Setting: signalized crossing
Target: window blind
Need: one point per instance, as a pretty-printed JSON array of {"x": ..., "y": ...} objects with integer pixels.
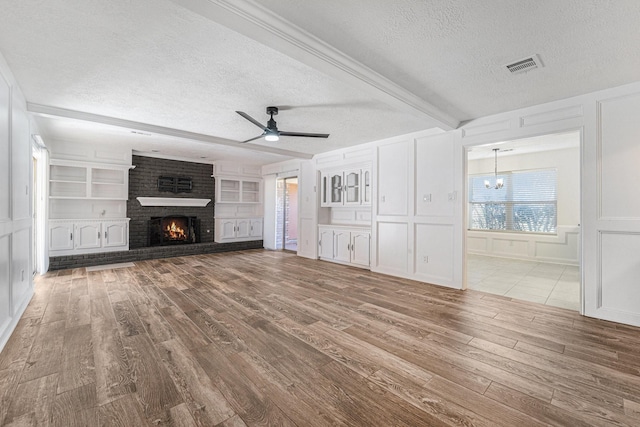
[{"x": 527, "y": 202}]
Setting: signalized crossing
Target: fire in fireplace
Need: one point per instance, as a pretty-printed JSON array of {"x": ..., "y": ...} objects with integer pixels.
[{"x": 174, "y": 229}]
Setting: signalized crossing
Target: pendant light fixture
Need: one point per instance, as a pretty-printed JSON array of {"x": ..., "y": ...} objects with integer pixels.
[{"x": 499, "y": 181}]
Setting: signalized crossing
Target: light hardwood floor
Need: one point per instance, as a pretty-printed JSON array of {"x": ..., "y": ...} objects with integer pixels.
[{"x": 268, "y": 338}]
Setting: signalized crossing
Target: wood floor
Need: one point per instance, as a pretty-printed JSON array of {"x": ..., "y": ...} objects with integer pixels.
[{"x": 271, "y": 339}]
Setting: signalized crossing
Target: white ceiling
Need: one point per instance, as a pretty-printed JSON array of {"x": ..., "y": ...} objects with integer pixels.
[{"x": 358, "y": 70}]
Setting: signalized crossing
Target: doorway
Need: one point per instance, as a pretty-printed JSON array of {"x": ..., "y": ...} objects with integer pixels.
[
  {"x": 287, "y": 214},
  {"x": 523, "y": 219}
]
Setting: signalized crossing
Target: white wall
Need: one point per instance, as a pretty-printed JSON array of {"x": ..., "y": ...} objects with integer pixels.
[
  {"x": 16, "y": 283},
  {"x": 559, "y": 248}
]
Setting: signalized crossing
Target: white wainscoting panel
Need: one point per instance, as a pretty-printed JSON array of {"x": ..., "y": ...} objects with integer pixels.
[
  {"x": 307, "y": 238},
  {"x": 392, "y": 246},
  {"x": 619, "y": 289},
  {"x": 21, "y": 284},
  {"x": 561, "y": 248},
  {"x": 434, "y": 184},
  {"x": 619, "y": 152},
  {"x": 393, "y": 178},
  {"x": 5, "y": 157},
  {"x": 434, "y": 253},
  {"x": 5, "y": 289}
]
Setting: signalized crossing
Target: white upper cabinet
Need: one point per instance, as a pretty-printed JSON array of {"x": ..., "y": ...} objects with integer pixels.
[{"x": 346, "y": 187}]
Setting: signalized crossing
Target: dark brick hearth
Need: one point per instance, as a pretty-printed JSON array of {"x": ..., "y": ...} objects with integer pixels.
[{"x": 87, "y": 260}]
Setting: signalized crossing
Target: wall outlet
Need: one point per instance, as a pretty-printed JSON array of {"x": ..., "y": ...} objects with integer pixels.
[{"x": 425, "y": 259}]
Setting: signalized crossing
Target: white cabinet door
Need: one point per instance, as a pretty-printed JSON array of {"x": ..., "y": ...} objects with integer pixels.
[
  {"x": 325, "y": 243},
  {"x": 336, "y": 189},
  {"x": 256, "y": 228},
  {"x": 342, "y": 251},
  {"x": 360, "y": 248},
  {"x": 366, "y": 186},
  {"x": 243, "y": 228},
  {"x": 115, "y": 233},
  {"x": 227, "y": 229},
  {"x": 87, "y": 235},
  {"x": 61, "y": 236},
  {"x": 352, "y": 187}
]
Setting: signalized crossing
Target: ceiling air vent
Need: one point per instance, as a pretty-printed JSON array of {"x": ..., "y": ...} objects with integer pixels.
[{"x": 524, "y": 65}]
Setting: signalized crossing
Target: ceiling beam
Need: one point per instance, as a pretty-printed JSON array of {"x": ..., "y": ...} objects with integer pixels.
[
  {"x": 46, "y": 110},
  {"x": 262, "y": 25}
]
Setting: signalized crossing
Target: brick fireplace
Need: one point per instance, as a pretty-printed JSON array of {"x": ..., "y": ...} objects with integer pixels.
[{"x": 143, "y": 182}]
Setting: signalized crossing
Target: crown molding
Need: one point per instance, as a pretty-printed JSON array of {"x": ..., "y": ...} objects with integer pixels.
[
  {"x": 264, "y": 26},
  {"x": 46, "y": 110}
]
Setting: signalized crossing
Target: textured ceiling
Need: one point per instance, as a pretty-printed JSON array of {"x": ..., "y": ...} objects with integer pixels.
[{"x": 157, "y": 63}]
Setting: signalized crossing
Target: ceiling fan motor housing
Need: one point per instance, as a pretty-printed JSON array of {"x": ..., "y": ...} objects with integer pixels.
[{"x": 272, "y": 111}]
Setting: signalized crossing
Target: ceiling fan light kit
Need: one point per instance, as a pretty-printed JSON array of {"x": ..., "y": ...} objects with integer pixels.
[{"x": 271, "y": 132}]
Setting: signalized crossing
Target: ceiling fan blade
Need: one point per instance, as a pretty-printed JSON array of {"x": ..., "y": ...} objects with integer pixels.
[
  {"x": 253, "y": 139},
  {"x": 252, "y": 120},
  {"x": 306, "y": 135}
]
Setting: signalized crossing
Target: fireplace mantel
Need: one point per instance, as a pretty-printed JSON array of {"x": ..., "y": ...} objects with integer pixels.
[{"x": 172, "y": 201}]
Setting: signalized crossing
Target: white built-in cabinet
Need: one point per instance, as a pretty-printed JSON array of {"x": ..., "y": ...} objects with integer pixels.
[
  {"x": 238, "y": 209},
  {"x": 87, "y": 207},
  {"x": 234, "y": 190},
  {"x": 346, "y": 187},
  {"x": 345, "y": 245},
  {"x": 68, "y": 237},
  {"x": 237, "y": 229}
]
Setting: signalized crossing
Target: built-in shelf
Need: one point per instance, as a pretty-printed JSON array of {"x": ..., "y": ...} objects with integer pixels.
[{"x": 172, "y": 201}]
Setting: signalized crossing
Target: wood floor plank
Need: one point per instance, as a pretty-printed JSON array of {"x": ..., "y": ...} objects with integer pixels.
[
  {"x": 77, "y": 407},
  {"x": 154, "y": 387},
  {"x": 113, "y": 374},
  {"x": 257, "y": 338},
  {"x": 127, "y": 318},
  {"x": 184, "y": 328},
  {"x": 35, "y": 396},
  {"x": 46, "y": 352},
  {"x": 77, "y": 368},
  {"x": 16, "y": 350},
  {"x": 244, "y": 396},
  {"x": 122, "y": 412},
  {"x": 203, "y": 400},
  {"x": 181, "y": 417}
]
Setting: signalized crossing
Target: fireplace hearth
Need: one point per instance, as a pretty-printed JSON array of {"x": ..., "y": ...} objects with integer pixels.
[{"x": 174, "y": 230}]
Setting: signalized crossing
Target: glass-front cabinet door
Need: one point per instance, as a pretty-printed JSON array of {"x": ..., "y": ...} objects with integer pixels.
[
  {"x": 352, "y": 187},
  {"x": 336, "y": 188},
  {"x": 366, "y": 186}
]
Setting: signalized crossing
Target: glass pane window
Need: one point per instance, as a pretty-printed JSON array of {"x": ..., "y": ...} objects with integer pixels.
[{"x": 526, "y": 203}]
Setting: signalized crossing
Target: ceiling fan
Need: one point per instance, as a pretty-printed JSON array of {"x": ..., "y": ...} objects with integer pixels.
[{"x": 271, "y": 132}]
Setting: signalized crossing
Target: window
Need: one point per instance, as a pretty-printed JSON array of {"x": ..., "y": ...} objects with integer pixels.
[{"x": 526, "y": 203}]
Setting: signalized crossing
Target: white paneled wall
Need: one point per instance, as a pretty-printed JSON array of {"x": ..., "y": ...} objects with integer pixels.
[
  {"x": 417, "y": 215},
  {"x": 16, "y": 283},
  {"x": 613, "y": 245}
]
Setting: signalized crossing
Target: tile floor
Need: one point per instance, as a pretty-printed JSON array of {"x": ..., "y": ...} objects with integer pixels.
[{"x": 550, "y": 284}]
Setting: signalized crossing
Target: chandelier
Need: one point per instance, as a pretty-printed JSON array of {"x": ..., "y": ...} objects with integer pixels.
[{"x": 499, "y": 181}]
